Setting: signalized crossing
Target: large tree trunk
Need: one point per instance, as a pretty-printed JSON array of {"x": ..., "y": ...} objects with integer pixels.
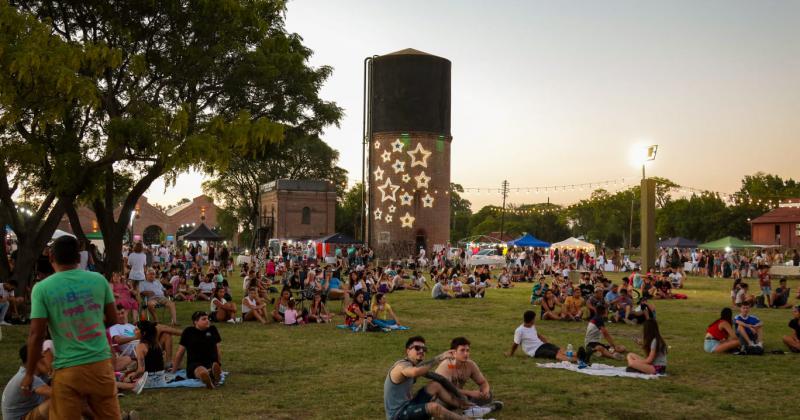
[{"x": 113, "y": 262}]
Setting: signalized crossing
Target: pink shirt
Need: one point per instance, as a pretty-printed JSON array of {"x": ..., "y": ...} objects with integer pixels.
[{"x": 290, "y": 317}]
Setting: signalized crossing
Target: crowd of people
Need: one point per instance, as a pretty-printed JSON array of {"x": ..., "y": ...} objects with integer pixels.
[{"x": 134, "y": 319}]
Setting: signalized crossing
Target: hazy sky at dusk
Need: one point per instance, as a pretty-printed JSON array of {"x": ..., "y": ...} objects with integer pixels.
[{"x": 553, "y": 93}]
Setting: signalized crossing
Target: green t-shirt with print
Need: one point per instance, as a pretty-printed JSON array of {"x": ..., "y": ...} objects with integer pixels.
[{"x": 73, "y": 302}]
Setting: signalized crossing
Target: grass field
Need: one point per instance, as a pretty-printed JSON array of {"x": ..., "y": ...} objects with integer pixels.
[{"x": 320, "y": 372}]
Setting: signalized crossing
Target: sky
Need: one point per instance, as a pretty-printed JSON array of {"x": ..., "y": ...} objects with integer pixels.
[{"x": 548, "y": 93}]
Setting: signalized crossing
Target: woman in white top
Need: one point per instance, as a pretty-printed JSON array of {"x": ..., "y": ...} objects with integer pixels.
[
  {"x": 137, "y": 261},
  {"x": 253, "y": 308},
  {"x": 221, "y": 309}
]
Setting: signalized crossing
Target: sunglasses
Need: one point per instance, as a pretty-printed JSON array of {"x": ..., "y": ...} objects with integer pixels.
[{"x": 420, "y": 349}]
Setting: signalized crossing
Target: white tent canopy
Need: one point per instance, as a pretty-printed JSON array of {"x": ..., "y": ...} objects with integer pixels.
[
  {"x": 573, "y": 243},
  {"x": 59, "y": 233}
]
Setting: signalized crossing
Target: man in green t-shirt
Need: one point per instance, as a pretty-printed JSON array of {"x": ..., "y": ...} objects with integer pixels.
[{"x": 76, "y": 305}]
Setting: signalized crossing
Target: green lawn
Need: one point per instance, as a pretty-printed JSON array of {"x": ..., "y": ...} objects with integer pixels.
[{"x": 318, "y": 371}]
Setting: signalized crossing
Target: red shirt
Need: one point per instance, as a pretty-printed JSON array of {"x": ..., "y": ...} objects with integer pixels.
[{"x": 714, "y": 330}]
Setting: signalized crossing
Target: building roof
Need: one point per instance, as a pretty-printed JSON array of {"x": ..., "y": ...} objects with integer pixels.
[
  {"x": 779, "y": 215},
  {"x": 174, "y": 210},
  {"x": 298, "y": 185}
]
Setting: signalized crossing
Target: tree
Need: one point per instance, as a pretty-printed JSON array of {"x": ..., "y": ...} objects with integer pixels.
[
  {"x": 348, "y": 210},
  {"x": 298, "y": 156},
  {"x": 196, "y": 85},
  {"x": 48, "y": 151},
  {"x": 460, "y": 213}
]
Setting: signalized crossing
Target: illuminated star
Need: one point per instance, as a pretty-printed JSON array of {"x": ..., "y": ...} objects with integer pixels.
[
  {"x": 405, "y": 199},
  {"x": 388, "y": 190},
  {"x": 422, "y": 180},
  {"x": 378, "y": 214},
  {"x": 392, "y": 208},
  {"x": 399, "y": 166},
  {"x": 397, "y": 146},
  {"x": 406, "y": 177},
  {"x": 377, "y": 144},
  {"x": 386, "y": 156},
  {"x": 427, "y": 201},
  {"x": 407, "y": 220},
  {"x": 388, "y": 218},
  {"x": 425, "y": 155},
  {"x": 378, "y": 174}
]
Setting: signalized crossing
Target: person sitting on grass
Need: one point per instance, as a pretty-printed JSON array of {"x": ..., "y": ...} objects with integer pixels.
[
  {"x": 384, "y": 314},
  {"x": 154, "y": 292},
  {"x": 656, "y": 349},
  {"x": 461, "y": 369},
  {"x": 720, "y": 337},
  {"x": 253, "y": 307},
  {"x": 595, "y": 301},
  {"x": 663, "y": 288},
  {"x": 291, "y": 317},
  {"x": 793, "y": 340},
  {"x": 124, "y": 334},
  {"x": 397, "y": 387},
  {"x": 221, "y": 309},
  {"x": 611, "y": 296},
  {"x": 457, "y": 286},
  {"x": 595, "y": 331},
  {"x": 149, "y": 352},
  {"x": 504, "y": 280},
  {"x": 318, "y": 312},
  {"x": 780, "y": 297},
  {"x": 743, "y": 296},
  {"x": 624, "y": 306},
  {"x": 35, "y": 403},
  {"x": 201, "y": 344},
  {"x": 550, "y": 306},
  {"x": 534, "y": 344},
  {"x": 749, "y": 328},
  {"x": 573, "y": 306},
  {"x": 183, "y": 291},
  {"x": 440, "y": 289},
  {"x": 354, "y": 314},
  {"x": 478, "y": 288},
  {"x": 281, "y": 305},
  {"x": 538, "y": 291},
  {"x": 205, "y": 290}
]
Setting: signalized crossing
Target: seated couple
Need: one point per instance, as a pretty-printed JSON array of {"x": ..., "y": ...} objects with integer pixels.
[
  {"x": 723, "y": 337},
  {"x": 452, "y": 402}
]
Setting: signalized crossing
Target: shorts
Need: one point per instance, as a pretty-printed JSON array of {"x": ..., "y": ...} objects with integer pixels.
[
  {"x": 593, "y": 346},
  {"x": 547, "y": 351},
  {"x": 660, "y": 370},
  {"x": 159, "y": 300},
  {"x": 766, "y": 290},
  {"x": 415, "y": 409},
  {"x": 709, "y": 345}
]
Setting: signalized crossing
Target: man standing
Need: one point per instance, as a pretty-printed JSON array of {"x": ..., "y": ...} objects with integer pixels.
[
  {"x": 397, "y": 399},
  {"x": 74, "y": 304},
  {"x": 154, "y": 291},
  {"x": 461, "y": 368}
]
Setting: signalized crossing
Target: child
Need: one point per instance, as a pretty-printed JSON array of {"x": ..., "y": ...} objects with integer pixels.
[
  {"x": 595, "y": 331},
  {"x": 290, "y": 317}
]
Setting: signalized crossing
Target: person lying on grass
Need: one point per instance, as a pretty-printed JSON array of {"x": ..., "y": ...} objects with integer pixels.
[
  {"x": 793, "y": 340},
  {"x": 720, "y": 337},
  {"x": 461, "y": 369},
  {"x": 595, "y": 332},
  {"x": 656, "y": 349},
  {"x": 749, "y": 328},
  {"x": 534, "y": 344},
  {"x": 397, "y": 396},
  {"x": 201, "y": 344}
]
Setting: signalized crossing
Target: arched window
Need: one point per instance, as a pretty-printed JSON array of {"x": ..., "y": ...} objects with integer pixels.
[{"x": 306, "y": 216}]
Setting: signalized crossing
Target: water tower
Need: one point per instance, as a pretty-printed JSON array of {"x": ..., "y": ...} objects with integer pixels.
[{"x": 408, "y": 135}]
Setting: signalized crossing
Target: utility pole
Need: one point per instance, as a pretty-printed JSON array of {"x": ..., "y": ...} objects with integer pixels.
[{"x": 504, "y": 191}]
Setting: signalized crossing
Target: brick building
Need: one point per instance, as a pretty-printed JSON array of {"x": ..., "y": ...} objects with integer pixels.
[
  {"x": 150, "y": 223},
  {"x": 292, "y": 209},
  {"x": 780, "y": 226}
]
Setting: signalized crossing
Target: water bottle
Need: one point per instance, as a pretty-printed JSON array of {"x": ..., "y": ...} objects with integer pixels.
[{"x": 570, "y": 351}]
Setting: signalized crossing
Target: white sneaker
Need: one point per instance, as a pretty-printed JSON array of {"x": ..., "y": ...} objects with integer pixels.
[
  {"x": 231, "y": 321},
  {"x": 140, "y": 384},
  {"x": 5, "y": 324},
  {"x": 477, "y": 411}
]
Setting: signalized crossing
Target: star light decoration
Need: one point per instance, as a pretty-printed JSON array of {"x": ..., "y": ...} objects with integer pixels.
[
  {"x": 392, "y": 208},
  {"x": 427, "y": 201},
  {"x": 378, "y": 214},
  {"x": 405, "y": 199},
  {"x": 407, "y": 221},
  {"x": 388, "y": 190},
  {"x": 386, "y": 156},
  {"x": 378, "y": 174},
  {"x": 388, "y": 218},
  {"x": 399, "y": 166},
  {"x": 419, "y": 150},
  {"x": 422, "y": 180},
  {"x": 406, "y": 177},
  {"x": 377, "y": 144},
  {"x": 397, "y": 146}
]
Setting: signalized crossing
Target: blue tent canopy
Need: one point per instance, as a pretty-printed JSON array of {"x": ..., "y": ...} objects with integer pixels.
[{"x": 528, "y": 240}]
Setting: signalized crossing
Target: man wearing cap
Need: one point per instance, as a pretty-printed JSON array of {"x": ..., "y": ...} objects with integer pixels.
[{"x": 76, "y": 305}]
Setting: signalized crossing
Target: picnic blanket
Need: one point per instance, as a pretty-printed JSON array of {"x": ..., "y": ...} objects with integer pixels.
[
  {"x": 175, "y": 380},
  {"x": 597, "y": 369},
  {"x": 355, "y": 328}
]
